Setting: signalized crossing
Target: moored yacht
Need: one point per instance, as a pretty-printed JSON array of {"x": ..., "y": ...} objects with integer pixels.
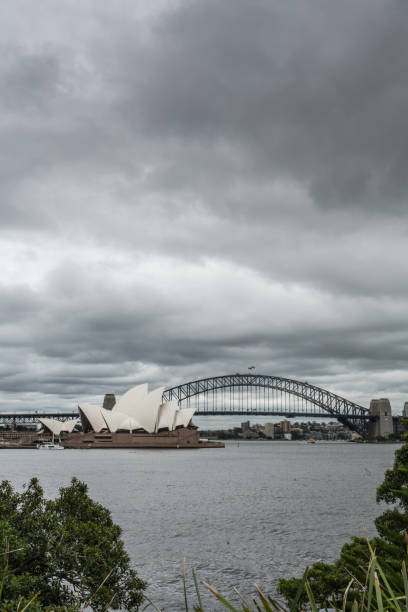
[{"x": 50, "y": 445}]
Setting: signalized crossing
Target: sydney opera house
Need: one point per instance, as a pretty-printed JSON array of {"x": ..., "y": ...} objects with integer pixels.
[{"x": 138, "y": 419}]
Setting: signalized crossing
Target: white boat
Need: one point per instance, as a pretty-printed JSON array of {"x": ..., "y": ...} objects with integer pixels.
[{"x": 50, "y": 445}]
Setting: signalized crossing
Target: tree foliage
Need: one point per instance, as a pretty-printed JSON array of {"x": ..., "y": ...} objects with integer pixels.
[
  {"x": 64, "y": 552},
  {"x": 329, "y": 581}
]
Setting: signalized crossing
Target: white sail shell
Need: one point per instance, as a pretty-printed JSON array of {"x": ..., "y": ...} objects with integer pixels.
[
  {"x": 167, "y": 416},
  {"x": 94, "y": 416},
  {"x": 130, "y": 424},
  {"x": 140, "y": 405},
  {"x": 184, "y": 416},
  {"x": 69, "y": 425},
  {"x": 112, "y": 419},
  {"x": 131, "y": 400},
  {"x": 118, "y": 420},
  {"x": 56, "y": 427},
  {"x": 147, "y": 413}
]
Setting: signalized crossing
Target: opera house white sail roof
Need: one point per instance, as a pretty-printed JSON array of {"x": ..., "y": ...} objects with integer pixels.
[
  {"x": 57, "y": 427},
  {"x": 137, "y": 409}
]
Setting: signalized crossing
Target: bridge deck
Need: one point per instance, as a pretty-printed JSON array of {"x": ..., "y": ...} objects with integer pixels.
[{"x": 32, "y": 417}]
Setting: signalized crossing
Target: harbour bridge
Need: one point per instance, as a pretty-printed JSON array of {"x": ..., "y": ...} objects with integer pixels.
[
  {"x": 246, "y": 395},
  {"x": 263, "y": 395}
]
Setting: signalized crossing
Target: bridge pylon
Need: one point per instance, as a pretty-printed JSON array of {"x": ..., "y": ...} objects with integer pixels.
[{"x": 382, "y": 424}]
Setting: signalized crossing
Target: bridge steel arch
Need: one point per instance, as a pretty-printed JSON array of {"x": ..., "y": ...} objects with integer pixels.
[{"x": 349, "y": 413}]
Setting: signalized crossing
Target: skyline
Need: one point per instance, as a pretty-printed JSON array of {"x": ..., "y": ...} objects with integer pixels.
[{"x": 198, "y": 187}]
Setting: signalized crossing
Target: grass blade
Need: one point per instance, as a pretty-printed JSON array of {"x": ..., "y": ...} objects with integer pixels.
[
  {"x": 346, "y": 593},
  {"x": 404, "y": 577},
  {"x": 388, "y": 587},
  {"x": 184, "y": 585},
  {"x": 312, "y": 602},
  {"x": 301, "y": 588},
  {"x": 378, "y": 593},
  {"x": 263, "y": 599},
  {"x": 245, "y": 604},
  {"x": 197, "y": 589},
  {"x": 99, "y": 587},
  {"x": 150, "y": 604},
  {"x": 29, "y": 603},
  {"x": 220, "y": 598},
  {"x": 371, "y": 576}
]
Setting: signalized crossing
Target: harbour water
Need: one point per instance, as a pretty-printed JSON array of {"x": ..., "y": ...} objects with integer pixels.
[{"x": 248, "y": 513}]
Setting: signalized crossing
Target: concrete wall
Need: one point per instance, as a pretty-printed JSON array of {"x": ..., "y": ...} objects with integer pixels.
[
  {"x": 180, "y": 438},
  {"x": 383, "y": 425}
]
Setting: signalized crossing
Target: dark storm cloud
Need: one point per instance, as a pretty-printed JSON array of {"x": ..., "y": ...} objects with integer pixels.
[
  {"x": 28, "y": 80},
  {"x": 188, "y": 192},
  {"x": 315, "y": 93}
]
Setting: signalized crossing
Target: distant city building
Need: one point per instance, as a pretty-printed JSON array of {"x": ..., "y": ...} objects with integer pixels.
[
  {"x": 269, "y": 430},
  {"x": 405, "y": 410},
  {"x": 285, "y": 427},
  {"x": 245, "y": 426},
  {"x": 250, "y": 435},
  {"x": 334, "y": 426}
]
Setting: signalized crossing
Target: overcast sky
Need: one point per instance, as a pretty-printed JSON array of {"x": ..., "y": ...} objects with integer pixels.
[{"x": 192, "y": 187}]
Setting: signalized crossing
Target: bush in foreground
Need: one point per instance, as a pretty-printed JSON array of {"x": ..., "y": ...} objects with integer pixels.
[{"x": 62, "y": 554}]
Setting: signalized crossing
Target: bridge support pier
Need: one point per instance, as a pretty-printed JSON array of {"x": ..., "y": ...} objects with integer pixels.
[{"x": 383, "y": 424}]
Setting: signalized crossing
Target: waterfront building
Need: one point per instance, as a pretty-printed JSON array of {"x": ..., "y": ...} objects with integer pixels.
[
  {"x": 245, "y": 426},
  {"x": 138, "y": 419},
  {"x": 137, "y": 410},
  {"x": 285, "y": 427},
  {"x": 269, "y": 430}
]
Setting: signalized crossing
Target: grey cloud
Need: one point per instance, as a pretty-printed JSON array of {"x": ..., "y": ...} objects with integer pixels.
[
  {"x": 316, "y": 94},
  {"x": 28, "y": 80},
  {"x": 84, "y": 336},
  {"x": 254, "y": 152}
]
